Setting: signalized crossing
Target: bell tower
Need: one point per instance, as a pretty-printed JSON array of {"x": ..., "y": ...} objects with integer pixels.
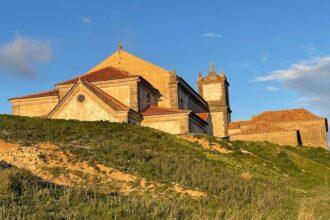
[{"x": 214, "y": 89}]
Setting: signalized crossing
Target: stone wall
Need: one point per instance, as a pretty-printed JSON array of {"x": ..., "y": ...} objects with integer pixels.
[
  {"x": 33, "y": 107},
  {"x": 121, "y": 90},
  {"x": 212, "y": 92},
  {"x": 313, "y": 133},
  {"x": 220, "y": 123},
  {"x": 173, "y": 124},
  {"x": 285, "y": 138},
  {"x": 233, "y": 131}
]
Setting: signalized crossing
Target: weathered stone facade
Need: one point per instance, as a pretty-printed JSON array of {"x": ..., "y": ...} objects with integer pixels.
[
  {"x": 214, "y": 89},
  {"x": 283, "y": 138}
]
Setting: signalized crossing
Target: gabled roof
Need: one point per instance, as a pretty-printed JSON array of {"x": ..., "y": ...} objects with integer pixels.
[
  {"x": 105, "y": 74},
  {"x": 109, "y": 100},
  {"x": 49, "y": 93},
  {"x": 130, "y": 60},
  {"x": 261, "y": 128},
  {"x": 155, "y": 110},
  {"x": 288, "y": 115}
]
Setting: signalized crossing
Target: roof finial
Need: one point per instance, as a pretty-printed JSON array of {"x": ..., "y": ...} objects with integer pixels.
[
  {"x": 212, "y": 69},
  {"x": 173, "y": 70},
  {"x": 120, "y": 46},
  {"x": 173, "y": 76}
]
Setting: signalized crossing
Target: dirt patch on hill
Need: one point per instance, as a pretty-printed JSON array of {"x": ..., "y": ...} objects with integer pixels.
[
  {"x": 205, "y": 143},
  {"x": 48, "y": 162},
  {"x": 211, "y": 145}
]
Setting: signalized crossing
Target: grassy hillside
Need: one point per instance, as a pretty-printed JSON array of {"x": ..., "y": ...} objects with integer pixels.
[{"x": 255, "y": 180}]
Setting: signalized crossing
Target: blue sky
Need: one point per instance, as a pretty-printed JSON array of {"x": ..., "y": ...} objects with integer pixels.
[{"x": 276, "y": 54}]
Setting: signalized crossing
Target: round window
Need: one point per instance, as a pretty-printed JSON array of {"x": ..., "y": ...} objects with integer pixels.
[{"x": 81, "y": 98}]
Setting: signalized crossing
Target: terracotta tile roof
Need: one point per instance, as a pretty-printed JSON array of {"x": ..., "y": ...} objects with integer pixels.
[
  {"x": 105, "y": 74},
  {"x": 203, "y": 115},
  {"x": 261, "y": 128},
  {"x": 155, "y": 110},
  {"x": 289, "y": 115},
  {"x": 238, "y": 124},
  {"x": 53, "y": 92},
  {"x": 109, "y": 100}
]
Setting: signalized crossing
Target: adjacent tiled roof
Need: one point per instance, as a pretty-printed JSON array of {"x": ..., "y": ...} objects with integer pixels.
[
  {"x": 109, "y": 100},
  {"x": 237, "y": 124},
  {"x": 203, "y": 115},
  {"x": 54, "y": 92},
  {"x": 105, "y": 74},
  {"x": 289, "y": 115},
  {"x": 261, "y": 128},
  {"x": 155, "y": 110}
]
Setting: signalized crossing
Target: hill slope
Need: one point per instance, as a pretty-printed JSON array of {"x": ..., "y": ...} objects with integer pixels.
[{"x": 108, "y": 170}]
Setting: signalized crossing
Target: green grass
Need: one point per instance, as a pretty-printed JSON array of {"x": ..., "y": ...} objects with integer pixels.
[{"x": 286, "y": 181}]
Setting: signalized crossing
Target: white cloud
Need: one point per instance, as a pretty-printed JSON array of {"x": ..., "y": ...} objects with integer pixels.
[
  {"x": 211, "y": 35},
  {"x": 308, "y": 78},
  {"x": 313, "y": 69},
  {"x": 272, "y": 89},
  {"x": 21, "y": 55},
  {"x": 86, "y": 20},
  {"x": 309, "y": 47}
]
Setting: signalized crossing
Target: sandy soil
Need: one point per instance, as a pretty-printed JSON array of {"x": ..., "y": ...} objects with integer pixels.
[{"x": 46, "y": 161}]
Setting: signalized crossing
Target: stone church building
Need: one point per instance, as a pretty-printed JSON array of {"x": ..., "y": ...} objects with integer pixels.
[{"x": 126, "y": 88}]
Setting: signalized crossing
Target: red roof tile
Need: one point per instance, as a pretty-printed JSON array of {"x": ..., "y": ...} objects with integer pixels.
[
  {"x": 105, "y": 74},
  {"x": 155, "y": 110},
  {"x": 203, "y": 115},
  {"x": 286, "y": 116},
  {"x": 111, "y": 101},
  {"x": 238, "y": 124},
  {"x": 261, "y": 128},
  {"x": 39, "y": 95}
]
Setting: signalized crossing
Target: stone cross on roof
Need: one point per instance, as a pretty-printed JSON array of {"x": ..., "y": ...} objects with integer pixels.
[{"x": 120, "y": 46}]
